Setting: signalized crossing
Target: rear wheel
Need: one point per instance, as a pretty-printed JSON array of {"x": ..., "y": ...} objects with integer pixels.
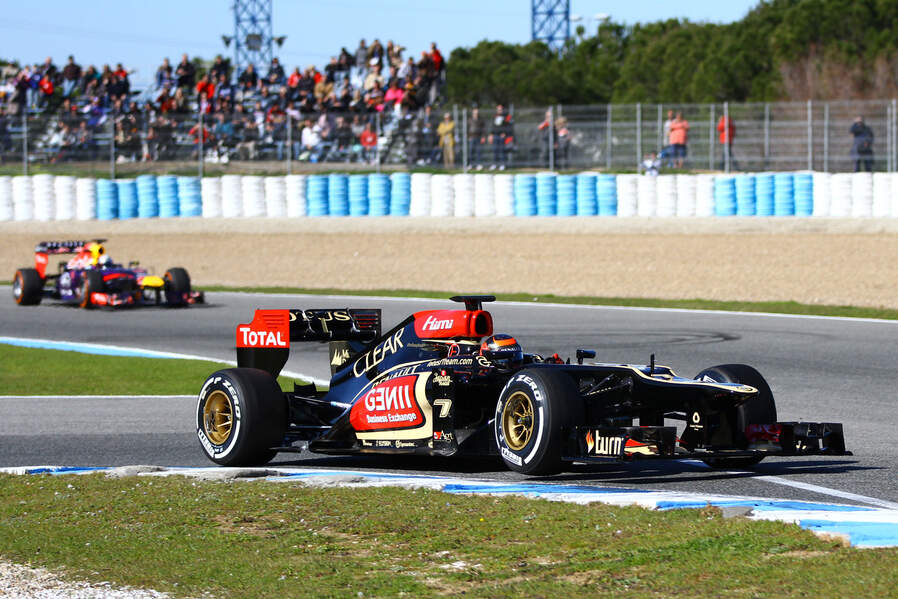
[
  {"x": 241, "y": 414},
  {"x": 533, "y": 410},
  {"x": 760, "y": 410},
  {"x": 27, "y": 287},
  {"x": 91, "y": 282},
  {"x": 177, "y": 286}
]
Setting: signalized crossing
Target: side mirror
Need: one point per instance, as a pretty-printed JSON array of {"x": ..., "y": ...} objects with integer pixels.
[{"x": 585, "y": 354}]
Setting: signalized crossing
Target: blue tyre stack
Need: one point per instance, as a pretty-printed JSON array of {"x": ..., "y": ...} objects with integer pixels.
[
  {"x": 586, "y": 195},
  {"x": 167, "y": 192},
  {"x": 107, "y": 199},
  {"x": 524, "y": 195},
  {"x": 745, "y": 195},
  {"x": 127, "y": 198},
  {"x": 400, "y": 193},
  {"x": 546, "y": 194},
  {"x": 606, "y": 195},
  {"x": 358, "y": 195},
  {"x": 316, "y": 195},
  {"x": 804, "y": 194},
  {"x": 566, "y": 192},
  {"x": 783, "y": 194},
  {"x": 338, "y": 194},
  {"x": 724, "y": 196},
  {"x": 378, "y": 194},
  {"x": 190, "y": 196},
  {"x": 147, "y": 198},
  {"x": 764, "y": 191}
]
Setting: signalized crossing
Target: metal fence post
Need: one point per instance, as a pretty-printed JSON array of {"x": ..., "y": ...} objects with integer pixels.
[
  {"x": 289, "y": 144},
  {"x": 551, "y": 139},
  {"x": 25, "y": 141},
  {"x": 711, "y": 138},
  {"x": 660, "y": 127},
  {"x": 810, "y": 136},
  {"x": 464, "y": 139},
  {"x": 200, "y": 150},
  {"x": 894, "y": 134},
  {"x": 826, "y": 137},
  {"x": 112, "y": 148},
  {"x": 638, "y": 135},
  {"x": 766, "y": 135},
  {"x": 726, "y": 128},
  {"x": 608, "y": 140},
  {"x": 377, "y": 125}
]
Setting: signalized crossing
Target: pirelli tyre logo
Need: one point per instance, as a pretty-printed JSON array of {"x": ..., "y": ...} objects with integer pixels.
[{"x": 390, "y": 405}]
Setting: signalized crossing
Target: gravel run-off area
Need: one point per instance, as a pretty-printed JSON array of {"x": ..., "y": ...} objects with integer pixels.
[{"x": 809, "y": 260}]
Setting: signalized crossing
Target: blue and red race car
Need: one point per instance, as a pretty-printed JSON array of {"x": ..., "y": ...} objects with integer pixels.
[{"x": 90, "y": 278}]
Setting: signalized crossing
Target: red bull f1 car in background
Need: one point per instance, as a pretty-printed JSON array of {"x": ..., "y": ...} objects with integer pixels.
[
  {"x": 90, "y": 278},
  {"x": 442, "y": 383}
]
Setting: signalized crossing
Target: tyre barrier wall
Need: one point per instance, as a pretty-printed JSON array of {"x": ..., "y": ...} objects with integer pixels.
[{"x": 47, "y": 197}]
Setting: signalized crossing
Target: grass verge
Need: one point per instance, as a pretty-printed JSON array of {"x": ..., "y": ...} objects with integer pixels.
[
  {"x": 69, "y": 372},
  {"x": 265, "y": 539},
  {"x": 690, "y": 304}
]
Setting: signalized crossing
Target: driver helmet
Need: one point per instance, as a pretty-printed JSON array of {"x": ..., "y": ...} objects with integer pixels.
[
  {"x": 502, "y": 350},
  {"x": 105, "y": 261}
]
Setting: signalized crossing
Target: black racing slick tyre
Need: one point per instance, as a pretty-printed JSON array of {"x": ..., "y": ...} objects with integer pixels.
[
  {"x": 241, "y": 413},
  {"x": 762, "y": 410},
  {"x": 91, "y": 282},
  {"x": 27, "y": 287},
  {"x": 532, "y": 413},
  {"x": 177, "y": 286}
]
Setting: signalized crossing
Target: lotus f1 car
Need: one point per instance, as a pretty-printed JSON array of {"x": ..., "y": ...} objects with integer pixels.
[
  {"x": 441, "y": 383},
  {"x": 90, "y": 278}
]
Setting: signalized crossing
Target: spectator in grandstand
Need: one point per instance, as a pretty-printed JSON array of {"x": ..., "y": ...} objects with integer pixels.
[
  {"x": 293, "y": 80},
  {"x": 194, "y": 134},
  {"x": 862, "y": 146},
  {"x": 446, "y": 132},
  {"x": 476, "y": 138},
  {"x": 127, "y": 142},
  {"x": 726, "y": 129},
  {"x": 361, "y": 63},
  {"x": 343, "y": 140},
  {"x": 179, "y": 102},
  {"x": 205, "y": 89},
  {"x": 439, "y": 65},
  {"x": 310, "y": 143},
  {"x": 406, "y": 72},
  {"x": 185, "y": 73},
  {"x": 89, "y": 80},
  {"x": 368, "y": 139},
  {"x": 246, "y": 133},
  {"x": 374, "y": 77},
  {"x": 393, "y": 95},
  {"x": 164, "y": 75},
  {"x": 248, "y": 79},
  {"x": 71, "y": 75},
  {"x": 376, "y": 54},
  {"x": 502, "y": 138},
  {"x": 324, "y": 88},
  {"x": 219, "y": 67},
  {"x": 275, "y": 74},
  {"x": 48, "y": 68},
  {"x": 679, "y": 138},
  {"x": 562, "y": 143},
  {"x": 85, "y": 146},
  {"x": 224, "y": 91}
]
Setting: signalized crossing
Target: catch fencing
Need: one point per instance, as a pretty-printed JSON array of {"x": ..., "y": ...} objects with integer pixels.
[{"x": 811, "y": 136}]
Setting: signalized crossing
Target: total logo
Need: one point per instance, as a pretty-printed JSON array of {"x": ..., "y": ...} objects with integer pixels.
[
  {"x": 253, "y": 338},
  {"x": 432, "y": 323},
  {"x": 269, "y": 329}
]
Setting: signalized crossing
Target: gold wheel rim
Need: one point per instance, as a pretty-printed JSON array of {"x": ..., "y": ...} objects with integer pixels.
[
  {"x": 517, "y": 420},
  {"x": 218, "y": 417}
]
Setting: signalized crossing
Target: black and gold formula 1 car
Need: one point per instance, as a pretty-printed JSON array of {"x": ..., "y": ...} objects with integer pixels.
[{"x": 441, "y": 383}]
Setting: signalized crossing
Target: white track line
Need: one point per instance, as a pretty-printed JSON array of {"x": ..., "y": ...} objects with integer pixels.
[
  {"x": 827, "y": 491},
  {"x": 97, "y": 396}
]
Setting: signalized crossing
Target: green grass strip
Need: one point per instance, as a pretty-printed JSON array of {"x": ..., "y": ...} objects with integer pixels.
[
  {"x": 263, "y": 539},
  {"x": 31, "y": 371},
  {"x": 690, "y": 304}
]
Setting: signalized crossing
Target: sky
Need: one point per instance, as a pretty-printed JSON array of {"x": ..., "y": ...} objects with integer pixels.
[{"x": 140, "y": 33}]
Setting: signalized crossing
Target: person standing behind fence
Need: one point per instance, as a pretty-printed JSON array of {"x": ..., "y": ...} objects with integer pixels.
[
  {"x": 502, "y": 138},
  {"x": 679, "y": 137},
  {"x": 727, "y": 129},
  {"x": 862, "y": 148},
  {"x": 476, "y": 136},
  {"x": 446, "y": 131}
]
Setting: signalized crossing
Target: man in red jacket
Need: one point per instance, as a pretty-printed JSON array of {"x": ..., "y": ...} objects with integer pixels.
[{"x": 727, "y": 129}]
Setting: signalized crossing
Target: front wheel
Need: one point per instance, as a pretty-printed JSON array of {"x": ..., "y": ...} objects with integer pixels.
[
  {"x": 177, "y": 286},
  {"x": 27, "y": 287},
  {"x": 91, "y": 281},
  {"x": 532, "y": 413},
  {"x": 241, "y": 414},
  {"x": 760, "y": 410}
]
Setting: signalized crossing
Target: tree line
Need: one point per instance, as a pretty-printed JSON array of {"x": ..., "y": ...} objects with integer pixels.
[{"x": 782, "y": 50}]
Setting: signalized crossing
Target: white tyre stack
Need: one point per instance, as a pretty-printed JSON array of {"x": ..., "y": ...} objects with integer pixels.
[
  {"x": 64, "y": 195},
  {"x": 86, "y": 198},
  {"x": 210, "y": 193},
  {"x": 704, "y": 195},
  {"x": 484, "y": 195},
  {"x": 627, "y": 194},
  {"x": 44, "y": 197},
  {"x": 862, "y": 194},
  {"x": 894, "y": 210},
  {"x": 441, "y": 196},
  {"x": 686, "y": 186},
  {"x": 252, "y": 188},
  {"x": 667, "y": 195},
  {"x": 6, "y": 209},
  {"x": 22, "y": 198},
  {"x": 647, "y": 194},
  {"x": 822, "y": 193},
  {"x": 419, "y": 204},
  {"x": 463, "y": 185},
  {"x": 295, "y": 186},
  {"x": 503, "y": 188},
  {"x": 840, "y": 194},
  {"x": 275, "y": 197},
  {"x": 231, "y": 196},
  {"x": 882, "y": 194}
]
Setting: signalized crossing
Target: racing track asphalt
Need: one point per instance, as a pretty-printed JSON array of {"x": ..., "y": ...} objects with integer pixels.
[{"x": 819, "y": 369}]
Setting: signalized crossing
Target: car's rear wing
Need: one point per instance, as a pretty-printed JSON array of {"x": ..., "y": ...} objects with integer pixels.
[
  {"x": 265, "y": 342},
  {"x": 44, "y": 249}
]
